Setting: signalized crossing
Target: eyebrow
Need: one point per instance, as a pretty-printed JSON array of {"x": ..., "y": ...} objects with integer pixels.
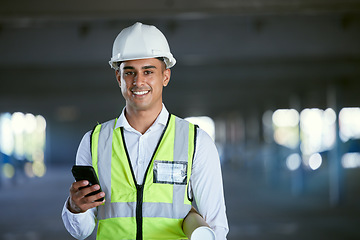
[
  {"x": 144, "y": 67},
  {"x": 147, "y": 67}
]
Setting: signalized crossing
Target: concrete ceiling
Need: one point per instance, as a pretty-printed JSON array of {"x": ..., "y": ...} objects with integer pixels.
[
  {"x": 170, "y": 8},
  {"x": 233, "y": 56}
]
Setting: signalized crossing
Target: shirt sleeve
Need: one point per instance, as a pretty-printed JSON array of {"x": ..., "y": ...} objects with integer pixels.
[
  {"x": 80, "y": 225},
  {"x": 207, "y": 185}
]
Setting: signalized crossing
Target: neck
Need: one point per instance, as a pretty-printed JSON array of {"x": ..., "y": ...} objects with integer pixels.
[{"x": 140, "y": 120}]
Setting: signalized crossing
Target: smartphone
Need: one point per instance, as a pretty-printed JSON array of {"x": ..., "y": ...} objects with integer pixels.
[{"x": 87, "y": 173}]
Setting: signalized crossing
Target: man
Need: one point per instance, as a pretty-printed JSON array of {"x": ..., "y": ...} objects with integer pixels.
[{"x": 150, "y": 164}]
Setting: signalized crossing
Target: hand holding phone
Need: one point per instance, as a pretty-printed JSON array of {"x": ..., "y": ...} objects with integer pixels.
[{"x": 87, "y": 173}]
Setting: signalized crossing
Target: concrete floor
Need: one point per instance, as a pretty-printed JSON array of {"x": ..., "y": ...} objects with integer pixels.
[
  {"x": 257, "y": 208},
  {"x": 261, "y": 209}
]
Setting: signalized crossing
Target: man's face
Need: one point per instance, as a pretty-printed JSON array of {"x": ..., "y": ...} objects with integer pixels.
[{"x": 141, "y": 82}]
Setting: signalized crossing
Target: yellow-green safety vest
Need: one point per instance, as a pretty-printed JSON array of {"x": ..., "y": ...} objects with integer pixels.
[{"x": 156, "y": 208}]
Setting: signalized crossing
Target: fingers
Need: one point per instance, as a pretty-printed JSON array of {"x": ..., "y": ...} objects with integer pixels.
[
  {"x": 79, "y": 184},
  {"x": 80, "y": 200}
]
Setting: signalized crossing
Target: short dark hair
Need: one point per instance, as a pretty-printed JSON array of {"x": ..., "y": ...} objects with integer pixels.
[
  {"x": 162, "y": 59},
  {"x": 118, "y": 65}
]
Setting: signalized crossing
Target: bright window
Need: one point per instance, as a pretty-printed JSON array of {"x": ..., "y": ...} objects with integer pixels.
[{"x": 23, "y": 137}]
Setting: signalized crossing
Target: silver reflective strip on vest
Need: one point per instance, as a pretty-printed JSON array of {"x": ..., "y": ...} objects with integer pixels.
[
  {"x": 164, "y": 210},
  {"x": 104, "y": 165},
  {"x": 118, "y": 209},
  {"x": 181, "y": 144},
  {"x": 181, "y": 149}
]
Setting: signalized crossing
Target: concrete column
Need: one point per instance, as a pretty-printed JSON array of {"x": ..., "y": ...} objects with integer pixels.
[
  {"x": 297, "y": 176},
  {"x": 336, "y": 172}
]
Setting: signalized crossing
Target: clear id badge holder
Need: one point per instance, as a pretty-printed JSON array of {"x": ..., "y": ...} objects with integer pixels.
[{"x": 170, "y": 172}]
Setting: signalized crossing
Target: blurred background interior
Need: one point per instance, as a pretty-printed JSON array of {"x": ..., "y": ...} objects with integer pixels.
[{"x": 275, "y": 82}]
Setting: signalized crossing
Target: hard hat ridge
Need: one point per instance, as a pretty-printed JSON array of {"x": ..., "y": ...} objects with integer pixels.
[{"x": 141, "y": 41}]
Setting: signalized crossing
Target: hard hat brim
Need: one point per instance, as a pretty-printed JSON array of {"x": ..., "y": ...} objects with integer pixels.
[{"x": 169, "y": 62}]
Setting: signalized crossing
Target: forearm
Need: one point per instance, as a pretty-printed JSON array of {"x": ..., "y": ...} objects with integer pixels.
[
  {"x": 79, "y": 225},
  {"x": 211, "y": 206}
]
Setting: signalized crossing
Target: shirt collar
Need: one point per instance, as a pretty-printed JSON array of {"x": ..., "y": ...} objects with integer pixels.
[{"x": 160, "y": 120}]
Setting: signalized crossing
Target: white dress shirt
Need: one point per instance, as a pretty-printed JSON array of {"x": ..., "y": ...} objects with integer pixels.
[{"x": 205, "y": 181}]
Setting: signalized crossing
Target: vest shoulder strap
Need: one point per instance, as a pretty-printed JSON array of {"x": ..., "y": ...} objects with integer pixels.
[{"x": 106, "y": 126}]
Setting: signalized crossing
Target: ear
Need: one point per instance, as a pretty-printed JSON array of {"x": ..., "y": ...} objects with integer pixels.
[
  {"x": 118, "y": 77},
  {"x": 166, "y": 74}
]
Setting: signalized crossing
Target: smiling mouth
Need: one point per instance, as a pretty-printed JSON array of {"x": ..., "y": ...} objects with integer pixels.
[{"x": 140, "y": 93}]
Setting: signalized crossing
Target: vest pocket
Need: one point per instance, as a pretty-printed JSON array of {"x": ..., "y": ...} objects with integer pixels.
[{"x": 119, "y": 228}]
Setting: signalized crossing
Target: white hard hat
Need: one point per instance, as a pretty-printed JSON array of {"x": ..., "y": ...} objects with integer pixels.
[{"x": 141, "y": 41}]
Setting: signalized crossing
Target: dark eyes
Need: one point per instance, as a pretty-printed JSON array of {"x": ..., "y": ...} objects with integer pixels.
[
  {"x": 129, "y": 73},
  {"x": 147, "y": 72}
]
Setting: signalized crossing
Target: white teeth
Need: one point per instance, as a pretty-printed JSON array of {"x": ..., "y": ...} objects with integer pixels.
[{"x": 140, "y": 93}]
